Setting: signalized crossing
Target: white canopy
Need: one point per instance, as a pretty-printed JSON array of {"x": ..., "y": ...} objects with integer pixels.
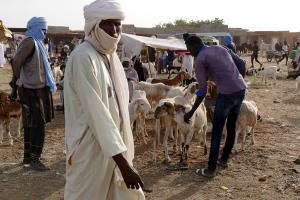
[{"x": 136, "y": 43}]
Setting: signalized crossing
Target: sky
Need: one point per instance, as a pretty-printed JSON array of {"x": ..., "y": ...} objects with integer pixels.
[{"x": 254, "y": 15}]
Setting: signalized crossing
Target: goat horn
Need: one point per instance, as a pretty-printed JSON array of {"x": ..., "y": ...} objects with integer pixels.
[{"x": 168, "y": 104}]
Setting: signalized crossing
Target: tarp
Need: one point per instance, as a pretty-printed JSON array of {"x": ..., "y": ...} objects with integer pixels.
[{"x": 137, "y": 43}]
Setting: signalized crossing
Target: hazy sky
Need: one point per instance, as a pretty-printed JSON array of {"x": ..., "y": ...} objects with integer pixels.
[{"x": 255, "y": 15}]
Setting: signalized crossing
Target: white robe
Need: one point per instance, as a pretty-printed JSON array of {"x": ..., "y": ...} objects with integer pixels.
[
  {"x": 92, "y": 129},
  {"x": 2, "y": 58},
  {"x": 187, "y": 64}
]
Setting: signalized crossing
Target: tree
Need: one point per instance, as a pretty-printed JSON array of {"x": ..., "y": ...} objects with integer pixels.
[{"x": 191, "y": 23}]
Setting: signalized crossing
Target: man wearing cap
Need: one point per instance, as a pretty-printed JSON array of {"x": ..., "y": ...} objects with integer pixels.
[
  {"x": 35, "y": 86},
  {"x": 99, "y": 141}
]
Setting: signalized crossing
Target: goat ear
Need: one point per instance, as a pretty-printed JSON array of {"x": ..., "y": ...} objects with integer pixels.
[
  {"x": 182, "y": 76},
  {"x": 170, "y": 108}
]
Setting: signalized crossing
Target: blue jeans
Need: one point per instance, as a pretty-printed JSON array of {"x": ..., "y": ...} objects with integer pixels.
[{"x": 227, "y": 107}]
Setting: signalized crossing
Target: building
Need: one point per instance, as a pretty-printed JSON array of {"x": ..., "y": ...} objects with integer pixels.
[{"x": 63, "y": 33}]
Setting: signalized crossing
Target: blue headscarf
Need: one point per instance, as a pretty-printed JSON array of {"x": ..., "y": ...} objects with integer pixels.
[
  {"x": 227, "y": 39},
  {"x": 35, "y": 28}
]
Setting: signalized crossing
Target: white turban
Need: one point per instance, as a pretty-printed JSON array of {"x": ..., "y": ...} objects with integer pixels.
[
  {"x": 101, "y": 10},
  {"x": 126, "y": 59}
]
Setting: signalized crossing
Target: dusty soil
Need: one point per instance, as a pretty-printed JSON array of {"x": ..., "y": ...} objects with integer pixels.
[{"x": 264, "y": 170}]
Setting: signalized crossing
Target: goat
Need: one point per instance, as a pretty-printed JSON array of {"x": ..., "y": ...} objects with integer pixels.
[
  {"x": 247, "y": 117},
  {"x": 181, "y": 76},
  {"x": 9, "y": 109},
  {"x": 267, "y": 71},
  {"x": 177, "y": 111}
]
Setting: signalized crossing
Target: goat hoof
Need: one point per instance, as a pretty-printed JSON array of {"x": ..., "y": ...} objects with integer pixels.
[{"x": 167, "y": 161}]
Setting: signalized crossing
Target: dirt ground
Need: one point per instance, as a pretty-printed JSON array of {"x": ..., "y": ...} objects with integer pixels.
[{"x": 264, "y": 170}]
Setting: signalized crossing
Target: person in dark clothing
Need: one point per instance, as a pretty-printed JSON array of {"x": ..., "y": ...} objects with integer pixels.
[
  {"x": 226, "y": 69},
  {"x": 171, "y": 56},
  {"x": 35, "y": 84},
  {"x": 152, "y": 52},
  {"x": 142, "y": 72},
  {"x": 254, "y": 55}
]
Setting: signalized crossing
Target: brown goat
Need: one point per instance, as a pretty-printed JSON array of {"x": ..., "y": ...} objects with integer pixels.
[
  {"x": 181, "y": 76},
  {"x": 9, "y": 109}
]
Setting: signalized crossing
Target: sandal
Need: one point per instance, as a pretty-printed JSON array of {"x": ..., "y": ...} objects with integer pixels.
[
  {"x": 205, "y": 173},
  {"x": 222, "y": 163}
]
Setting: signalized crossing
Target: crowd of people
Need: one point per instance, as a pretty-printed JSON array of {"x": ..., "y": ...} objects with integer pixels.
[{"x": 96, "y": 89}]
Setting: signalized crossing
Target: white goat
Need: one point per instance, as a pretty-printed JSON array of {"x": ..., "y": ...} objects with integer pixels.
[
  {"x": 198, "y": 122},
  {"x": 247, "y": 117},
  {"x": 267, "y": 71}
]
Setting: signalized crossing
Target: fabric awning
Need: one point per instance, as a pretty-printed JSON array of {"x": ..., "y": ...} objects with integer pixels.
[{"x": 136, "y": 43}]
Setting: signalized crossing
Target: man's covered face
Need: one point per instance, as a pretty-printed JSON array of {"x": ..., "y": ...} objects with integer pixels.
[
  {"x": 125, "y": 64},
  {"x": 112, "y": 27}
]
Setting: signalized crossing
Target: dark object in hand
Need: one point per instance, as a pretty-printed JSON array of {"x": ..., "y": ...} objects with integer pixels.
[{"x": 13, "y": 85}]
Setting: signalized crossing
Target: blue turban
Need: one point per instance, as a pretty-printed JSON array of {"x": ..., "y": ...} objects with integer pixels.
[
  {"x": 35, "y": 28},
  {"x": 227, "y": 39}
]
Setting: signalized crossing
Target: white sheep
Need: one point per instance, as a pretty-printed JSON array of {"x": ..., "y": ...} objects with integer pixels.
[
  {"x": 154, "y": 92},
  {"x": 268, "y": 71},
  {"x": 176, "y": 96},
  {"x": 247, "y": 117},
  {"x": 138, "y": 108}
]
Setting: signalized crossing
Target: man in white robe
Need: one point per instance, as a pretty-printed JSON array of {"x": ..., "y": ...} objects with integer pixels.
[
  {"x": 99, "y": 140},
  {"x": 2, "y": 58},
  {"x": 187, "y": 64}
]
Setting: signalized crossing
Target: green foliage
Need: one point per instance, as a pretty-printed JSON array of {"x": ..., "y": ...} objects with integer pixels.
[
  {"x": 255, "y": 83},
  {"x": 189, "y": 23},
  {"x": 292, "y": 54}
]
